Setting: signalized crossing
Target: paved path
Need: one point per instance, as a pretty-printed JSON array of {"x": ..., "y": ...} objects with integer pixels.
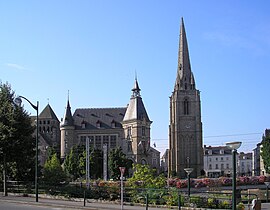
[{"x": 66, "y": 204}]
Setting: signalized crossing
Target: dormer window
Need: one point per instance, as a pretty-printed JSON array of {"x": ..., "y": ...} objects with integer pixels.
[
  {"x": 98, "y": 124},
  {"x": 113, "y": 124},
  {"x": 222, "y": 151},
  {"x": 83, "y": 125},
  {"x": 209, "y": 152}
]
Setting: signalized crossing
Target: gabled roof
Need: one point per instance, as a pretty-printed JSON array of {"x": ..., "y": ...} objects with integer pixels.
[
  {"x": 48, "y": 113},
  {"x": 98, "y": 118}
]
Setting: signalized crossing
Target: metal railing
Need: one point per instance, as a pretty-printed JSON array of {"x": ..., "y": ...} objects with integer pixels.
[{"x": 166, "y": 197}]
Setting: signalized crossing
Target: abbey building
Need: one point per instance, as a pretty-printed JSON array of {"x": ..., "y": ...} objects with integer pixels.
[
  {"x": 185, "y": 129},
  {"x": 129, "y": 127},
  {"x": 125, "y": 127}
]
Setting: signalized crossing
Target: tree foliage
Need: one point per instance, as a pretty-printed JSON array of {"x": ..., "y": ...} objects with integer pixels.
[
  {"x": 145, "y": 177},
  {"x": 117, "y": 159},
  {"x": 75, "y": 163},
  {"x": 265, "y": 153},
  {"x": 72, "y": 166},
  {"x": 53, "y": 171},
  {"x": 16, "y": 138}
]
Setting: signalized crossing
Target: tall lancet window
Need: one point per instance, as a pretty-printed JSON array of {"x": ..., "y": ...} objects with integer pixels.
[{"x": 186, "y": 107}]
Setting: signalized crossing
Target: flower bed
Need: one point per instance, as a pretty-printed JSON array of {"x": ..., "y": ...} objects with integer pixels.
[{"x": 215, "y": 182}]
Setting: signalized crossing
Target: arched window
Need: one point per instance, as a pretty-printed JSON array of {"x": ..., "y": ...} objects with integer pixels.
[{"x": 186, "y": 107}]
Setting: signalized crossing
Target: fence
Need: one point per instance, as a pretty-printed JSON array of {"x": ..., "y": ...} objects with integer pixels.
[{"x": 137, "y": 196}]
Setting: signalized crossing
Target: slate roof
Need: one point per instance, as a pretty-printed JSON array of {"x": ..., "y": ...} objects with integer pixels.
[
  {"x": 136, "y": 109},
  {"x": 216, "y": 150},
  {"x": 98, "y": 118},
  {"x": 67, "y": 120},
  {"x": 48, "y": 113}
]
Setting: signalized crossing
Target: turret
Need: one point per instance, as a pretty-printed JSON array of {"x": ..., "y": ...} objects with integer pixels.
[
  {"x": 67, "y": 131},
  {"x": 136, "y": 124}
]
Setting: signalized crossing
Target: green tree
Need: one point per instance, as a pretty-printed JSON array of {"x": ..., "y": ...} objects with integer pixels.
[
  {"x": 96, "y": 163},
  {"x": 117, "y": 159},
  {"x": 53, "y": 171},
  {"x": 265, "y": 153},
  {"x": 72, "y": 166},
  {"x": 147, "y": 178},
  {"x": 17, "y": 154}
]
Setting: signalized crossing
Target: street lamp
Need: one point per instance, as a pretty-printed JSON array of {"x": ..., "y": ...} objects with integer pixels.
[
  {"x": 18, "y": 102},
  {"x": 267, "y": 186},
  {"x": 234, "y": 146},
  {"x": 188, "y": 171}
]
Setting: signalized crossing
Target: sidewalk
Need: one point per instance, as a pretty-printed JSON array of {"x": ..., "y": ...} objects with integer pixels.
[{"x": 78, "y": 204}]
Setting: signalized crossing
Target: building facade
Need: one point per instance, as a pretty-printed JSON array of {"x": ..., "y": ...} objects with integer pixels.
[
  {"x": 126, "y": 127},
  {"x": 49, "y": 133},
  {"x": 217, "y": 161},
  {"x": 258, "y": 164},
  {"x": 185, "y": 129},
  {"x": 245, "y": 164}
]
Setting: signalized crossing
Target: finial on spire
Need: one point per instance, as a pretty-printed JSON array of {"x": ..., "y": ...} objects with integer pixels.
[
  {"x": 48, "y": 100},
  {"x": 135, "y": 74},
  {"x": 68, "y": 95}
]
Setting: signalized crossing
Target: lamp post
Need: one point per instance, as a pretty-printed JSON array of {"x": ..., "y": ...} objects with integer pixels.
[
  {"x": 267, "y": 186},
  {"x": 234, "y": 146},
  {"x": 87, "y": 163},
  {"x": 188, "y": 171},
  {"x": 18, "y": 102}
]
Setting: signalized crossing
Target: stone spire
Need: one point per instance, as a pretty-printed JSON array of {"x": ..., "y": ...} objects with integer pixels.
[{"x": 184, "y": 79}]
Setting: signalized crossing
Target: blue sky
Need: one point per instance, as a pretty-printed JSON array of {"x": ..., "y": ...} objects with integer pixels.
[{"x": 93, "y": 48}]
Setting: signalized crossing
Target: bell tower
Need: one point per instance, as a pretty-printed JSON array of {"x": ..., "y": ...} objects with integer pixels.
[
  {"x": 136, "y": 125},
  {"x": 185, "y": 129}
]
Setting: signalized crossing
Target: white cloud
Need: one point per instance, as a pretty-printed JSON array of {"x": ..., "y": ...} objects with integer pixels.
[{"x": 16, "y": 66}]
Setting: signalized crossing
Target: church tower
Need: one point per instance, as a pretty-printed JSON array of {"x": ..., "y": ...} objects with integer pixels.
[
  {"x": 136, "y": 125},
  {"x": 67, "y": 129},
  {"x": 185, "y": 129}
]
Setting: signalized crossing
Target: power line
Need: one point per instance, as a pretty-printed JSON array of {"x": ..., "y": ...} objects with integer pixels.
[
  {"x": 228, "y": 135},
  {"x": 219, "y": 136}
]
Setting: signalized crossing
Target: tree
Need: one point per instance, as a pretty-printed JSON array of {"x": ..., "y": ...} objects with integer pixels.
[
  {"x": 265, "y": 153},
  {"x": 96, "y": 163},
  {"x": 53, "y": 172},
  {"x": 147, "y": 178},
  {"x": 71, "y": 164},
  {"x": 17, "y": 154},
  {"x": 117, "y": 159}
]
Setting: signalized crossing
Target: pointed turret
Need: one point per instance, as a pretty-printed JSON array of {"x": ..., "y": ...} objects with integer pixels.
[
  {"x": 68, "y": 119},
  {"x": 67, "y": 128},
  {"x": 136, "y": 109},
  {"x": 184, "y": 77}
]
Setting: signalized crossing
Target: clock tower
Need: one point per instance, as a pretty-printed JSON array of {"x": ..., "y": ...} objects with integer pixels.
[{"x": 185, "y": 129}]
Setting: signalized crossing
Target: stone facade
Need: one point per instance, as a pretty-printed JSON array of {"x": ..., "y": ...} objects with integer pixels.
[
  {"x": 125, "y": 127},
  {"x": 185, "y": 129},
  {"x": 49, "y": 133}
]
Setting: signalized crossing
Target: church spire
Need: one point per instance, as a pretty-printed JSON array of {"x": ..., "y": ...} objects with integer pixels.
[{"x": 184, "y": 79}]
